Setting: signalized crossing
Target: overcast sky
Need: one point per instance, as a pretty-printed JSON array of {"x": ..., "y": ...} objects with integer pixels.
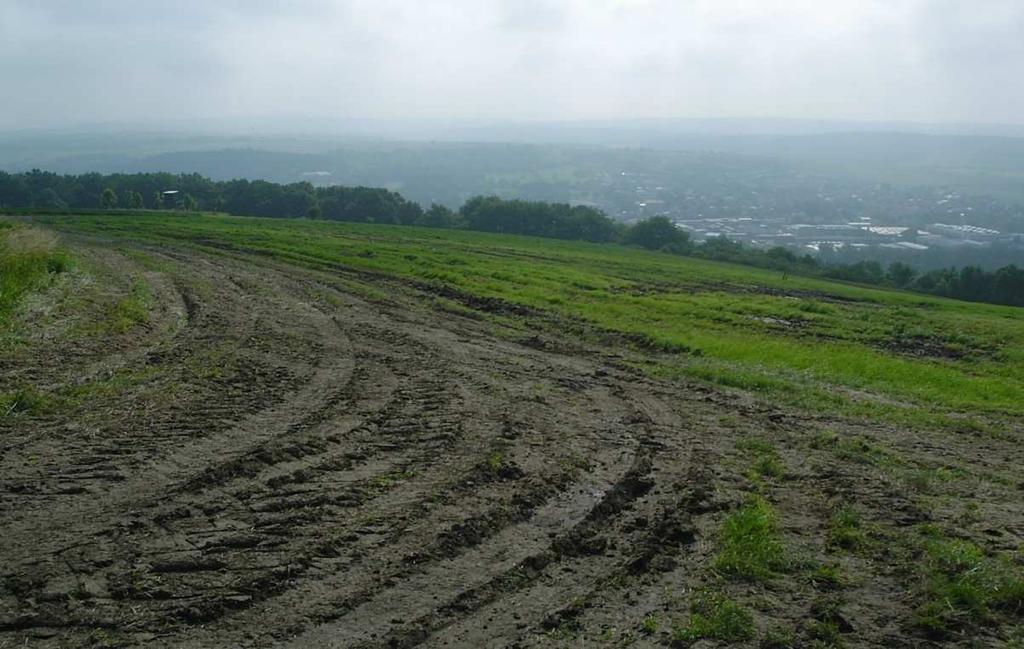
[{"x": 79, "y": 61}]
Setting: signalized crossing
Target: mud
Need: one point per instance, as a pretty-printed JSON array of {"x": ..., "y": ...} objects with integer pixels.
[{"x": 275, "y": 460}]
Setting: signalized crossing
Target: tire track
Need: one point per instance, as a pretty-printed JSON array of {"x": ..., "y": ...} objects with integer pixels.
[{"x": 394, "y": 477}]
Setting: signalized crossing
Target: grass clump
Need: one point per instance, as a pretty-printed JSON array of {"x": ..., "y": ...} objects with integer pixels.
[
  {"x": 26, "y": 400},
  {"x": 767, "y": 462},
  {"x": 845, "y": 529},
  {"x": 751, "y": 547},
  {"x": 716, "y": 617},
  {"x": 495, "y": 462},
  {"x": 132, "y": 309},
  {"x": 827, "y": 576},
  {"x": 855, "y": 448},
  {"x": 28, "y": 259},
  {"x": 825, "y": 635},
  {"x": 965, "y": 586},
  {"x": 769, "y": 466},
  {"x": 778, "y": 637},
  {"x": 926, "y": 480},
  {"x": 650, "y": 625}
]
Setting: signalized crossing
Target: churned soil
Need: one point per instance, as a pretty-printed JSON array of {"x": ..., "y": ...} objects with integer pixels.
[{"x": 273, "y": 457}]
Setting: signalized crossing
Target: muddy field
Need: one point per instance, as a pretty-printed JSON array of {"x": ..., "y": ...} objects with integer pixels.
[{"x": 274, "y": 457}]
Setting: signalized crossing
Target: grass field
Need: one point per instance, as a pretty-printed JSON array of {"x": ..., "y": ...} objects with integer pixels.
[
  {"x": 865, "y": 351},
  {"x": 239, "y": 432},
  {"x": 28, "y": 258}
]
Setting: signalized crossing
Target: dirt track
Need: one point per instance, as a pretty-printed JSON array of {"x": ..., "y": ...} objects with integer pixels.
[{"x": 283, "y": 462}]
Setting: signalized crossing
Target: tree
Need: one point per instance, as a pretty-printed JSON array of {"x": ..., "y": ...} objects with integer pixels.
[
  {"x": 50, "y": 199},
  {"x": 972, "y": 284},
  {"x": 133, "y": 200},
  {"x": 1008, "y": 286},
  {"x": 658, "y": 233},
  {"x": 900, "y": 274},
  {"x": 781, "y": 257},
  {"x": 190, "y": 203},
  {"x": 158, "y": 200},
  {"x": 438, "y": 216},
  {"x": 721, "y": 248},
  {"x": 108, "y": 199}
]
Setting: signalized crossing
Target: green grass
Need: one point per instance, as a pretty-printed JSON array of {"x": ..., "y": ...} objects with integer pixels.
[
  {"x": 778, "y": 638},
  {"x": 751, "y": 548},
  {"x": 825, "y": 635},
  {"x": 810, "y": 342},
  {"x": 965, "y": 586},
  {"x": 30, "y": 400},
  {"x": 845, "y": 529},
  {"x": 132, "y": 309},
  {"x": 495, "y": 462},
  {"x": 857, "y": 449},
  {"x": 767, "y": 463},
  {"x": 716, "y": 617},
  {"x": 649, "y": 625},
  {"x": 27, "y": 400},
  {"x": 827, "y": 576},
  {"x": 29, "y": 258}
]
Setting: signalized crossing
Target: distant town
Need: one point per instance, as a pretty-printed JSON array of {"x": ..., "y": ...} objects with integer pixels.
[{"x": 833, "y": 219}]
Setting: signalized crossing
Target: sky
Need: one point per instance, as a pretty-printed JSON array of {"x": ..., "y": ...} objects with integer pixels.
[{"x": 67, "y": 62}]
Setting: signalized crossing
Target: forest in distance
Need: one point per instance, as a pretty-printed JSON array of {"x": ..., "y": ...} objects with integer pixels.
[{"x": 46, "y": 191}]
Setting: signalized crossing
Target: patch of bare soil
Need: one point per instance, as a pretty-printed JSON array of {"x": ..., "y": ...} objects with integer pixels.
[
  {"x": 930, "y": 347},
  {"x": 272, "y": 460}
]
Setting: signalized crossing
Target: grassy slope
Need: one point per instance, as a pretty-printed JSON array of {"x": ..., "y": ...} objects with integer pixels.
[
  {"x": 822, "y": 344},
  {"x": 28, "y": 258},
  {"x": 824, "y": 518}
]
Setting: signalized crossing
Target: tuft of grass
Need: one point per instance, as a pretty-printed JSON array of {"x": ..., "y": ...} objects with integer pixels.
[
  {"x": 29, "y": 258},
  {"x": 845, "y": 529},
  {"x": 649, "y": 625},
  {"x": 856, "y": 448},
  {"x": 495, "y": 462},
  {"x": 925, "y": 480},
  {"x": 964, "y": 586},
  {"x": 751, "y": 547},
  {"x": 825, "y": 635},
  {"x": 26, "y": 400},
  {"x": 827, "y": 576},
  {"x": 769, "y": 466},
  {"x": 755, "y": 445},
  {"x": 131, "y": 310},
  {"x": 716, "y": 617},
  {"x": 778, "y": 637},
  {"x": 767, "y": 462}
]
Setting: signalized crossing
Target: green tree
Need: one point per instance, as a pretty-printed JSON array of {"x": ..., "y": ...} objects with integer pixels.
[
  {"x": 108, "y": 199},
  {"x": 158, "y": 200},
  {"x": 50, "y": 199},
  {"x": 438, "y": 216},
  {"x": 900, "y": 274},
  {"x": 190, "y": 203},
  {"x": 658, "y": 233}
]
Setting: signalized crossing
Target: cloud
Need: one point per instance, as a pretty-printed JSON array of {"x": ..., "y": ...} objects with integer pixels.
[{"x": 66, "y": 61}]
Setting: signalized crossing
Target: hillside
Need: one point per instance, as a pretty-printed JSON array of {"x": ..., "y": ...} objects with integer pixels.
[{"x": 252, "y": 432}]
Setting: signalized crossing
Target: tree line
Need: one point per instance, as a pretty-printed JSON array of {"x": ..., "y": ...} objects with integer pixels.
[
  {"x": 972, "y": 283},
  {"x": 49, "y": 191}
]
